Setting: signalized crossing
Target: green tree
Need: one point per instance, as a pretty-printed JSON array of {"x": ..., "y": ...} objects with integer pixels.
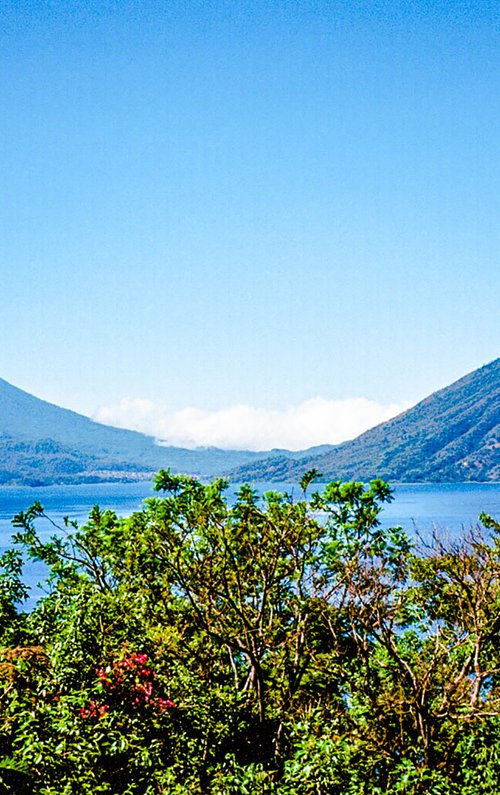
[{"x": 261, "y": 645}]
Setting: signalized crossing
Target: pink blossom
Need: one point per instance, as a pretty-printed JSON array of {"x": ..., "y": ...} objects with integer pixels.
[{"x": 164, "y": 703}]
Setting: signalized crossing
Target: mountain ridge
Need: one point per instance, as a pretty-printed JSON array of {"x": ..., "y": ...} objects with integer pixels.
[
  {"x": 41, "y": 443},
  {"x": 453, "y": 434}
]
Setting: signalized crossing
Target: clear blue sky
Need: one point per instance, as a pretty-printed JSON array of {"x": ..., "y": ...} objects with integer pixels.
[{"x": 208, "y": 203}]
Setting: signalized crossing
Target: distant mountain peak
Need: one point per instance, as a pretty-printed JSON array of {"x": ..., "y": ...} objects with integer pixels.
[
  {"x": 452, "y": 435},
  {"x": 43, "y": 443}
]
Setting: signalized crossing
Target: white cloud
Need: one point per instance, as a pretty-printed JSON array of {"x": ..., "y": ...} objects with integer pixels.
[{"x": 312, "y": 422}]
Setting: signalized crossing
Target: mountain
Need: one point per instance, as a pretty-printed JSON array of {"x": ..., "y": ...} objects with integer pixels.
[
  {"x": 41, "y": 443},
  {"x": 453, "y": 435}
]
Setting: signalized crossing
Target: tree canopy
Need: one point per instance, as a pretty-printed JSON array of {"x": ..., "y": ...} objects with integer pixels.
[{"x": 262, "y": 645}]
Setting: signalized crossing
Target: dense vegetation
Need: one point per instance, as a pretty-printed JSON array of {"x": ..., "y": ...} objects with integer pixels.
[
  {"x": 453, "y": 435},
  {"x": 269, "y": 646}
]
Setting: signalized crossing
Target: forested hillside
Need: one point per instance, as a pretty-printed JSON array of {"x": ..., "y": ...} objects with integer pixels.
[
  {"x": 453, "y": 435},
  {"x": 41, "y": 443}
]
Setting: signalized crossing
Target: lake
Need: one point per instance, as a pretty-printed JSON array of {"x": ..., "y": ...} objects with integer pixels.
[{"x": 419, "y": 508}]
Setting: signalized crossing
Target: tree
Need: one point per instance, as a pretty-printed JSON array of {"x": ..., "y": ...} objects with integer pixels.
[{"x": 269, "y": 645}]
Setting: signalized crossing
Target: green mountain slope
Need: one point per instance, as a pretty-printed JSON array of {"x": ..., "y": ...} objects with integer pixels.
[
  {"x": 41, "y": 443},
  {"x": 453, "y": 435}
]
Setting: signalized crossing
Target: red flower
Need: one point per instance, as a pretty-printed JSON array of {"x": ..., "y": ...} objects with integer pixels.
[
  {"x": 127, "y": 680},
  {"x": 94, "y": 710},
  {"x": 164, "y": 703}
]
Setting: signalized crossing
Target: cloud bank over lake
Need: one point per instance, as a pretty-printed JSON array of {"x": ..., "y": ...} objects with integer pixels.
[{"x": 296, "y": 427}]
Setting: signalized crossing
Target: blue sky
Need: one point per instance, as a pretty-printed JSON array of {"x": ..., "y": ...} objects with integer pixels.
[{"x": 210, "y": 205}]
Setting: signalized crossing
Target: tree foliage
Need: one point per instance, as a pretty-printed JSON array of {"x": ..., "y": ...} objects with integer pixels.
[{"x": 262, "y": 645}]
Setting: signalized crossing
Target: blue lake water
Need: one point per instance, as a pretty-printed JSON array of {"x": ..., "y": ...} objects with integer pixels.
[{"x": 419, "y": 508}]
